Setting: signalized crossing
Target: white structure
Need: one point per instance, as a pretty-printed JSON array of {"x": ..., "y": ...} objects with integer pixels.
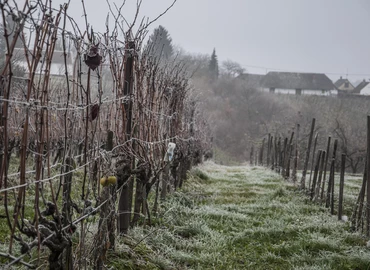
[
  {"x": 290, "y": 83},
  {"x": 333, "y": 92},
  {"x": 344, "y": 85},
  {"x": 57, "y": 67},
  {"x": 366, "y": 90},
  {"x": 298, "y": 83}
]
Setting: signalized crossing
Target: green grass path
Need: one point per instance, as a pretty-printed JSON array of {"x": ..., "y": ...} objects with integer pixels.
[{"x": 242, "y": 218}]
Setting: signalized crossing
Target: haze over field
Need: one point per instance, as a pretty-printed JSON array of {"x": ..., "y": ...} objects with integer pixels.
[{"x": 305, "y": 36}]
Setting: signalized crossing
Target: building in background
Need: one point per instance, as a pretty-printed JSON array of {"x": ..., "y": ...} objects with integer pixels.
[
  {"x": 344, "y": 86},
  {"x": 57, "y": 67},
  {"x": 298, "y": 83},
  {"x": 251, "y": 81},
  {"x": 362, "y": 89}
]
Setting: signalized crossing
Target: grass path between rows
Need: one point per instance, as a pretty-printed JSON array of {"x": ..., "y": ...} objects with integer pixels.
[{"x": 242, "y": 218}]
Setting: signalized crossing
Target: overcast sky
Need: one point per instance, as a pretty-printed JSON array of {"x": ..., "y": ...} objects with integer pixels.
[{"x": 329, "y": 36}]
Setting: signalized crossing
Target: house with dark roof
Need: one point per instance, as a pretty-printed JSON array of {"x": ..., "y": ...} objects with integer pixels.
[
  {"x": 361, "y": 88},
  {"x": 251, "y": 81},
  {"x": 298, "y": 83},
  {"x": 344, "y": 85}
]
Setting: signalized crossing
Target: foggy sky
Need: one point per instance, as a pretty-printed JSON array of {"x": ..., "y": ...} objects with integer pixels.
[{"x": 329, "y": 36}]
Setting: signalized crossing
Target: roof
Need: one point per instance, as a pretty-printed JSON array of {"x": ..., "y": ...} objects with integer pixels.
[
  {"x": 251, "y": 80},
  {"x": 340, "y": 82},
  {"x": 292, "y": 80},
  {"x": 360, "y": 86}
]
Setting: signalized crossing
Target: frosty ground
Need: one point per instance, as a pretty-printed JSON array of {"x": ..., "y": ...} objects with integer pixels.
[{"x": 244, "y": 217}]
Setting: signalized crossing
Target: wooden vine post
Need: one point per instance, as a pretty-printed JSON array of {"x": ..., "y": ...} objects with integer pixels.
[
  {"x": 330, "y": 190},
  {"x": 341, "y": 187},
  {"x": 317, "y": 191},
  {"x": 357, "y": 218},
  {"x": 368, "y": 179},
  {"x": 268, "y": 150},
  {"x": 124, "y": 205},
  {"x": 325, "y": 168},
  {"x": 304, "y": 172},
  {"x": 261, "y": 153},
  {"x": 295, "y": 163},
  {"x": 251, "y": 156},
  {"x": 316, "y": 170},
  {"x": 272, "y": 155},
  {"x": 313, "y": 158},
  {"x": 284, "y": 157}
]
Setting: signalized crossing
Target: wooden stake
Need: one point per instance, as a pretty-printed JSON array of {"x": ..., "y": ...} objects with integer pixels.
[
  {"x": 284, "y": 157},
  {"x": 304, "y": 172},
  {"x": 268, "y": 150},
  {"x": 261, "y": 152},
  {"x": 313, "y": 158},
  {"x": 295, "y": 164},
  {"x": 368, "y": 179},
  {"x": 330, "y": 189},
  {"x": 317, "y": 191},
  {"x": 125, "y": 200},
  {"x": 325, "y": 168},
  {"x": 341, "y": 187},
  {"x": 355, "y": 220},
  {"x": 315, "y": 174},
  {"x": 251, "y": 156}
]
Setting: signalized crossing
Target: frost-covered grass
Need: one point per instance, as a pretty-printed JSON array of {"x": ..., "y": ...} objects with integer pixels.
[{"x": 244, "y": 218}]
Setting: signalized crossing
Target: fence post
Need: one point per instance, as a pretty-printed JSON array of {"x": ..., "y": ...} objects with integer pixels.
[
  {"x": 268, "y": 150},
  {"x": 329, "y": 194},
  {"x": 317, "y": 192},
  {"x": 251, "y": 156},
  {"x": 304, "y": 172},
  {"x": 333, "y": 177},
  {"x": 289, "y": 152},
  {"x": 318, "y": 159},
  {"x": 276, "y": 154},
  {"x": 341, "y": 186},
  {"x": 261, "y": 152},
  {"x": 284, "y": 156},
  {"x": 272, "y": 154},
  {"x": 368, "y": 179},
  {"x": 125, "y": 200},
  {"x": 295, "y": 164},
  {"x": 313, "y": 158},
  {"x": 278, "y": 167},
  {"x": 360, "y": 202},
  {"x": 325, "y": 168},
  {"x": 287, "y": 170}
]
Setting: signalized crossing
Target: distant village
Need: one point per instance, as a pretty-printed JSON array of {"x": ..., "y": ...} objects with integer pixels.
[
  {"x": 273, "y": 82},
  {"x": 304, "y": 84}
]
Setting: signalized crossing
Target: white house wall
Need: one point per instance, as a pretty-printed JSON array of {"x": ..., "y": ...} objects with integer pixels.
[
  {"x": 320, "y": 93},
  {"x": 304, "y": 92},
  {"x": 285, "y": 91},
  {"x": 365, "y": 91},
  {"x": 55, "y": 69}
]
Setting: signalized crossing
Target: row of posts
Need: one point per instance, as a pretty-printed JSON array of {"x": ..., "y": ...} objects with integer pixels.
[{"x": 282, "y": 156}]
